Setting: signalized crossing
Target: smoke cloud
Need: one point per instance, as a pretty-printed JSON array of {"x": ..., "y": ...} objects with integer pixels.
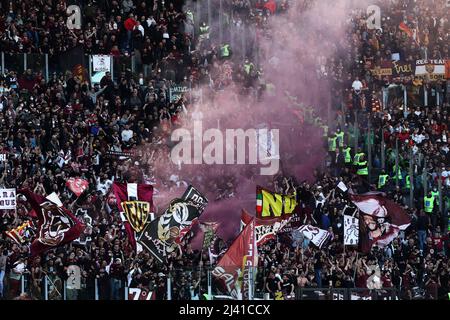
[{"x": 292, "y": 54}]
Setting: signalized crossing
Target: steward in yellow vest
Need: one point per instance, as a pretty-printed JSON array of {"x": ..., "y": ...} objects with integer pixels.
[
  {"x": 363, "y": 170},
  {"x": 340, "y": 137},
  {"x": 382, "y": 179},
  {"x": 347, "y": 155},
  {"x": 428, "y": 203}
]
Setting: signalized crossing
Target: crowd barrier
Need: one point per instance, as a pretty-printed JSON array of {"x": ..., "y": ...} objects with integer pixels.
[
  {"x": 52, "y": 287},
  {"x": 347, "y": 294}
]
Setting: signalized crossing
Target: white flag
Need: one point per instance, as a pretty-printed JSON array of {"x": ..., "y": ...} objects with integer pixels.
[
  {"x": 351, "y": 230},
  {"x": 316, "y": 235}
]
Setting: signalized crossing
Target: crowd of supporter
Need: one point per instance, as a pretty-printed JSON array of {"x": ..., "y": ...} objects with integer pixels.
[{"x": 65, "y": 127}]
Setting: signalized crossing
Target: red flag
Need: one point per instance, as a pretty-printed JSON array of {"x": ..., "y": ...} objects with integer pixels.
[
  {"x": 77, "y": 185},
  {"x": 135, "y": 203},
  {"x": 231, "y": 269},
  {"x": 56, "y": 225},
  {"x": 381, "y": 219},
  {"x": 406, "y": 29}
]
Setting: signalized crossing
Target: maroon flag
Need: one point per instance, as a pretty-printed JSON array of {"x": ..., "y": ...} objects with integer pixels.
[
  {"x": 77, "y": 185},
  {"x": 232, "y": 269},
  {"x": 381, "y": 219},
  {"x": 56, "y": 225},
  {"x": 135, "y": 203}
]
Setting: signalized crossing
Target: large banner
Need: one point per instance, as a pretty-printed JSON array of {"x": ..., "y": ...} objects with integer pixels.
[
  {"x": 351, "y": 230},
  {"x": 380, "y": 219},
  {"x": 432, "y": 69},
  {"x": 239, "y": 258},
  {"x": 56, "y": 224},
  {"x": 121, "y": 155},
  {"x": 293, "y": 223},
  {"x": 274, "y": 205},
  {"x": 166, "y": 233},
  {"x": 382, "y": 70},
  {"x": 177, "y": 91},
  {"x": 393, "y": 69},
  {"x": 265, "y": 229},
  {"x": 8, "y": 198}
]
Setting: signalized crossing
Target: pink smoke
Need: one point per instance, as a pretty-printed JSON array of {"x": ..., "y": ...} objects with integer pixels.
[{"x": 302, "y": 41}]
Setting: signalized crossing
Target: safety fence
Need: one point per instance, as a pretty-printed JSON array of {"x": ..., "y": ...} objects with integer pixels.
[
  {"x": 75, "y": 61},
  {"x": 179, "y": 285},
  {"x": 228, "y": 28},
  {"x": 346, "y": 294}
]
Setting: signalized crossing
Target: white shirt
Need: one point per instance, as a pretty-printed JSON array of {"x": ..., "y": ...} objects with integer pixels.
[
  {"x": 127, "y": 135},
  {"x": 150, "y": 22},
  {"x": 446, "y": 176},
  {"x": 357, "y": 85},
  {"x": 19, "y": 268},
  {"x": 418, "y": 138},
  {"x": 141, "y": 29}
]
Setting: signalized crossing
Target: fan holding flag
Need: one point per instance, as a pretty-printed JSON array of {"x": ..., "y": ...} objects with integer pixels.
[{"x": 381, "y": 219}]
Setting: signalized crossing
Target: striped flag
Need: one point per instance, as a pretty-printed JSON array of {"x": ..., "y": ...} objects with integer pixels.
[
  {"x": 405, "y": 29},
  {"x": 259, "y": 203},
  {"x": 21, "y": 233}
]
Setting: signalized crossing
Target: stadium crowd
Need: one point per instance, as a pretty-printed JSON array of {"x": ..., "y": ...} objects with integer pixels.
[{"x": 64, "y": 127}]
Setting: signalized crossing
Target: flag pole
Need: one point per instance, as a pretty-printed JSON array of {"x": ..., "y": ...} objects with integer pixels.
[
  {"x": 200, "y": 267},
  {"x": 354, "y": 272},
  {"x": 200, "y": 272},
  {"x": 252, "y": 267}
]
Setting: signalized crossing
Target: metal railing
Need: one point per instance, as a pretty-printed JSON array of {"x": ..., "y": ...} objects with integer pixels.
[
  {"x": 346, "y": 294},
  {"x": 51, "y": 287}
]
